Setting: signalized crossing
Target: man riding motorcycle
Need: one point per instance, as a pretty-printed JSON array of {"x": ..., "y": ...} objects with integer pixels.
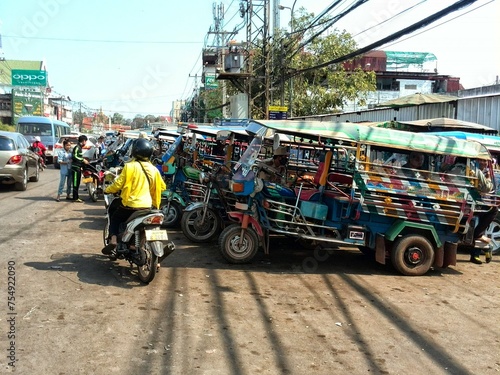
[
  {"x": 140, "y": 185},
  {"x": 39, "y": 148}
]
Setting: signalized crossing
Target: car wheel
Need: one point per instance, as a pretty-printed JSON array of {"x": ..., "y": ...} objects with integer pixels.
[
  {"x": 23, "y": 185},
  {"x": 36, "y": 177}
]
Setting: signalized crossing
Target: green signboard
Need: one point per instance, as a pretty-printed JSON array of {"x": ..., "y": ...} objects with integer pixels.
[
  {"x": 29, "y": 77},
  {"x": 26, "y": 102},
  {"x": 210, "y": 82}
]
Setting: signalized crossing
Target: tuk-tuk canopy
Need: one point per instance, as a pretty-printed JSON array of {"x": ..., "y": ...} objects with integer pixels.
[
  {"x": 491, "y": 142},
  {"x": 351, "y": 132}
]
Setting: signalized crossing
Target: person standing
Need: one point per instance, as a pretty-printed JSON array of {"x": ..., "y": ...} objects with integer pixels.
[
  {"x": 484, "y": 218},
  {"x": 77, "y": 162},
  {"x": 101, "y": 146},
  {"x": 64, "y": 158}
]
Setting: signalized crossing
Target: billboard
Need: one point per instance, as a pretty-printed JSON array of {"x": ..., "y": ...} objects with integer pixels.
[
  {"x": 26, "y": 102},
  {"x": 29, "y": 77}
]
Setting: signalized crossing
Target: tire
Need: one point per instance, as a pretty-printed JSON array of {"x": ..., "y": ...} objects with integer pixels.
[
  {"x": 105, "y": 233},
  {"x": 412, "y": 255},
  {"x": 197, "y": 231},
  {"x": 493, "y": 232},
  {"x": 23, "y": 185},
  {"x": 91, "y": 190},
  {"x": 147, "y": 271},
  {"x": 173, "y": 214},
  {"x": 36, "y": 177},
  {"x": 229, "y": 244}
]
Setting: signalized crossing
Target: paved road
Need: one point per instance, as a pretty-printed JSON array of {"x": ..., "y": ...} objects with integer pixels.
[{"x": 75, "y": 312}]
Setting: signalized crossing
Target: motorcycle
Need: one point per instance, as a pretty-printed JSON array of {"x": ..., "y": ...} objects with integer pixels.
[
  {"x": 203, "y": 221},
  {"x": 182, "y": 186},
  {"x": 93, "y": 178},
  {"x": 141, "y": 240},
  {"x": 183, "y": 190}
]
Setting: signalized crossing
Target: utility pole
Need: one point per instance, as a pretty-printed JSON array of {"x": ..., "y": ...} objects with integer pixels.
[
  {"x": 196, "y": 116},
  {"x": 222, "y": 39},
  {"x": 257, "y": 14}
]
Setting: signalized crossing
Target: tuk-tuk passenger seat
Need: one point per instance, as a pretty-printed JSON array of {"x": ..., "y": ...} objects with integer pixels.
[
  {"x": 321, "y": 175},
  {"x": 340, "y": 178}
]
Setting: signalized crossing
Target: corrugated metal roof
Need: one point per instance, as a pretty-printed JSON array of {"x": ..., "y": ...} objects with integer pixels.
[{"x": 6, "y": 67}]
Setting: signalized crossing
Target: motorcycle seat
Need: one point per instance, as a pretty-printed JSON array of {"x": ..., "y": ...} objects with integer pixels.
[{"x": 139, "y": 212}]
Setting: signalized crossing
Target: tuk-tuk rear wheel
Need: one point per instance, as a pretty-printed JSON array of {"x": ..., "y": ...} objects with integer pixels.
[{"x": 412, "y": 255}]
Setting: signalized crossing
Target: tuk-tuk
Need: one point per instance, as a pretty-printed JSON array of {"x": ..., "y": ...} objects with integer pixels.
[
  {"x": 363, "y": 194},
  {"x": 492, "y": 143}
]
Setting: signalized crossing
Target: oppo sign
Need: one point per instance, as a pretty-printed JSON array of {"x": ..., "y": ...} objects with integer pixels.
[{"x": 29, "y": 77}]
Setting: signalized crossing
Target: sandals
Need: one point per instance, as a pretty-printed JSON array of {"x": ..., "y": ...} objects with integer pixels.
[{"x": 108, "y": 249}]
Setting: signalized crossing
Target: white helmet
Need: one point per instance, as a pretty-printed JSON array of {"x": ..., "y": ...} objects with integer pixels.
[{"x": 37, "y": 138}]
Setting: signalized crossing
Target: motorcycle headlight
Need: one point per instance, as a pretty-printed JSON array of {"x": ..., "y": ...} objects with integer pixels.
[
  {"x": 258, "y": 186},
  {"x": 202, "y": 177}
]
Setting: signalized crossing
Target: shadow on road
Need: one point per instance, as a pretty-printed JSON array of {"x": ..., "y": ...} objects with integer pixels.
[
  {"x": 91, "y": 269},
  {"x": 287, "y": 257}
]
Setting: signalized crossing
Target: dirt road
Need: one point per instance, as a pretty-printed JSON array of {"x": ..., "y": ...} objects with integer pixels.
[{"x": 75, "y": 312}]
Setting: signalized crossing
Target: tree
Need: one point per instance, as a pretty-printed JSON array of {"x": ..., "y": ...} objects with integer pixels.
[
  {"x": 8, "y": 128},
  {"x": 317, "y": 91},
  {"x": 78, "y": 117},
  {"x": 137, "y": 122},
  {"x": 117, "y": 118},
  {"x": 149, "y": 119}
]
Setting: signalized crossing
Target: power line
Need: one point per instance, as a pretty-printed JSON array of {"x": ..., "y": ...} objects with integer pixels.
[
  {"x": 439, "y": 24},
  {"x": 418, "y": 25},
  {"x": 329, "y": 24},
  {"x": 391, "y": 18}
]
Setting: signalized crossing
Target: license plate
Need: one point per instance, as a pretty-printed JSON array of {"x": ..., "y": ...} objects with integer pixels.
[
  {"x": 86, "y": 180},
  {"x": 156, "y": 235}
]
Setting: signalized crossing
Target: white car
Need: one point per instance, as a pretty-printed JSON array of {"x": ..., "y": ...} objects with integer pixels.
[
  {"x": 18, "y": 163},
  {"x": 90, "y": 150}
]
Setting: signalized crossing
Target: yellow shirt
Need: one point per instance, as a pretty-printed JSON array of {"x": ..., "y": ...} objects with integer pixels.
[{"x": 136, "y": 192}]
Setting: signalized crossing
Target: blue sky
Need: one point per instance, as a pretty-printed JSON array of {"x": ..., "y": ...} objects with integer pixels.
[{"x": 137, "y": 57}]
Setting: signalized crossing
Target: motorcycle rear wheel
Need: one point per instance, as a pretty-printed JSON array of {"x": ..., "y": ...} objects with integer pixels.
[
  {"x": 105, "y": 234},
  {"x": 91, "y": 191},
  {"x": 147, "y": 271}
]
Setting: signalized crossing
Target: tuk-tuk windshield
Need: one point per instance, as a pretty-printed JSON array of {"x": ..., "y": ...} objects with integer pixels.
[{"x": 250, "y": 155}]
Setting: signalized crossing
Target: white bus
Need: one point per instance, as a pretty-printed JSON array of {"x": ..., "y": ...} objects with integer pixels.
[{"x": 49, "y": 131}]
